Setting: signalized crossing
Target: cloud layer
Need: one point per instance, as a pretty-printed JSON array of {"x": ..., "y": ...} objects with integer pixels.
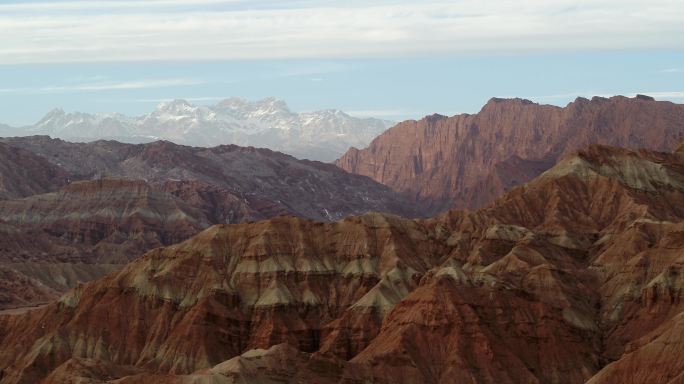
[
  {"x": 104, "y": 86},
  {"x": 123, "y": 30}
]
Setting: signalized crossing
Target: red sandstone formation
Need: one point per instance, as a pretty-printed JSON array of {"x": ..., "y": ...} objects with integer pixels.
[
  {"x": 573, "y": 277},
  {"x": 467, "y": 161}
]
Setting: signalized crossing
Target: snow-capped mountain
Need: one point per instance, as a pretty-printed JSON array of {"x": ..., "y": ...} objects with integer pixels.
[{"x": 269, "y": 123}]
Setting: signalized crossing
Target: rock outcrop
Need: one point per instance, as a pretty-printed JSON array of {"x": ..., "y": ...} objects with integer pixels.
[
  {"x": 467, "y": 161},
  {"x": 573, "y": 277}
]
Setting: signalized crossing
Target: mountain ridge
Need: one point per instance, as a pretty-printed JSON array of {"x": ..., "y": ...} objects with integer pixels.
[
  {"x": 454, "y": 162},
  {"x": 319, "y": 135}
]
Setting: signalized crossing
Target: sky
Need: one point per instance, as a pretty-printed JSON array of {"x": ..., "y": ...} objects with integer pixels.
[{"x": 390, "y": 59}]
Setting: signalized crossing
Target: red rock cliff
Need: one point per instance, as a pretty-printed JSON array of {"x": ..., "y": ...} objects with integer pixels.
[{"x": 466, "y": 161}]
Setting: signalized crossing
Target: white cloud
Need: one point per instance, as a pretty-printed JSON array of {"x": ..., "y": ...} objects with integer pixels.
[
  {"x": 87, "y": 31},
  {"x": 83, "y": 5},
  {"x": 105, "y": 86},
  {"x": 672, "y": 70}
]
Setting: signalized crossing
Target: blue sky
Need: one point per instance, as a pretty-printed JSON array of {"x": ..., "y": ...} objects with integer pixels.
[{"x": 389, "y": 59}]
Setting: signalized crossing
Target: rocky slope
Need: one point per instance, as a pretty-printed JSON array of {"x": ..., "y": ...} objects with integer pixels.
[
  {"x": 51, "y": 242},
  {"x": 261, "y": 179},
  {"x": 268, "y": 123},
  {"x": 118, "y": 217},
  {"x": 23, "y": 173},
  {"x": 125, "y": 199},
  {"x": 573, "y": 277},
  {"x": 466, "y": 161}
]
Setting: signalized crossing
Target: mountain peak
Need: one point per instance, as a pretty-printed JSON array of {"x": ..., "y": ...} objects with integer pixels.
[
  {"x": 56, "y": 111},
  {"x": 274, "y": 103},
  {"x": 644, "y": 97},
  {"x": 175, "y": 106},
  {"x": 244, "y": 105},
  {"x": 54, "y": 115},
  {"x": 496, "y": 103},
  {"x": 509, "y": 100}
]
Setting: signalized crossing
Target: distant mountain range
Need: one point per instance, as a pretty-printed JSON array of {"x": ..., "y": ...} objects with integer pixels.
[{"x": 321, "y": 135}]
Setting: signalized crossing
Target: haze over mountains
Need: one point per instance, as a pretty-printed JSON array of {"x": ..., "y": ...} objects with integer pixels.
[{"x": 320, "y": 135}]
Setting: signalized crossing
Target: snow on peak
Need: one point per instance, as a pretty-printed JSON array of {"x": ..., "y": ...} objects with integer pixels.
[
  {"x": 321, "y": 135},
  {"x": 240, "y": 107},
  {"x": 51, "y": 116},
  {"x": 56, "y": 112},
  {"x": 177, "y": 106},
  {"x": 273, "y": 104}
]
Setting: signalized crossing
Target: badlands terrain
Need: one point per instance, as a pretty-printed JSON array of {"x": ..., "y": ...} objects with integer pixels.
[
  {"x": 70, "y": 212},
  {"x": 243, "y": 265},
  {"x": 574, "y": 277}
]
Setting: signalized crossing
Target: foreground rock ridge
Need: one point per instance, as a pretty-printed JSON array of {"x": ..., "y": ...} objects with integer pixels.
[
  {"x": 70, "y": 212},
  {"x": 467, "y": 161},
  {"x": 574, "y": 277}
]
